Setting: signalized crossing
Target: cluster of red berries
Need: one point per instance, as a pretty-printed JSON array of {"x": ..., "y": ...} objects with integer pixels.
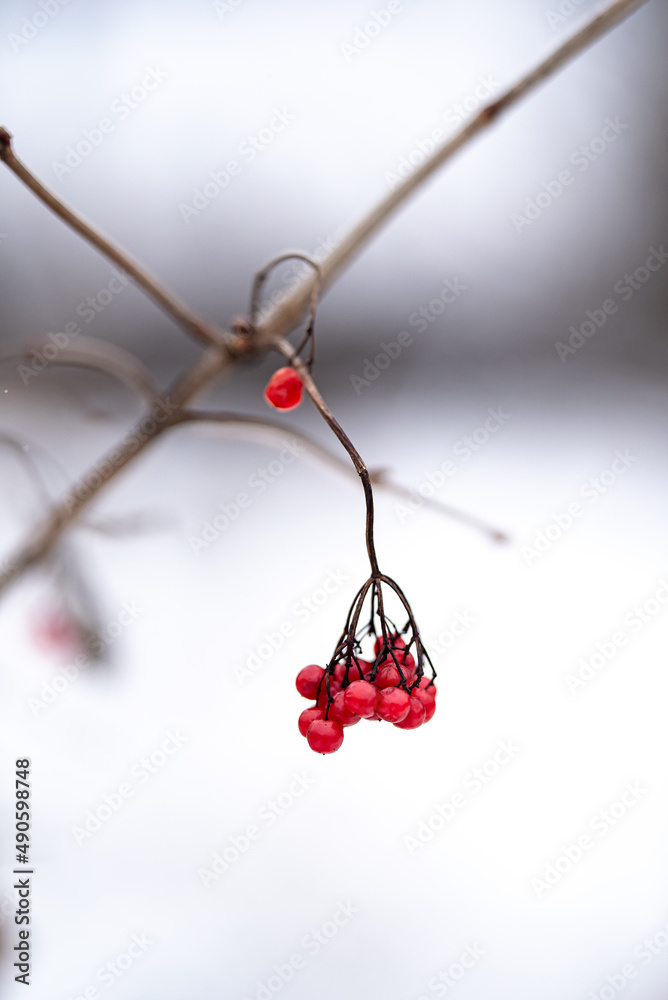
[
  {"x": 284, "y": 389},
  {"x": 355, "y": 689}
]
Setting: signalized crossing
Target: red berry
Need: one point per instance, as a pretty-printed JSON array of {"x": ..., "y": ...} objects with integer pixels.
[
  {"x": 307, "y": 717},
  {"x": 430, "y": 708},
  {"x": 308, "y": 680},
  {"x": 426, "y": 688},
  {"x": 341, "y": 713},
  {"x": 415, "y": 716},
  {"x": 393, "y": 704},
  {"x": 360, "y": 698},
  {"x": 284, "y": 389},
  {"x": 389, "y": 676},
  {"x": 324, "y": 735},
  {"x": 366, "y": 667}
]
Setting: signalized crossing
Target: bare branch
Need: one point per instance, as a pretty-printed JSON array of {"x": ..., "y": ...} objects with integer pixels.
[
  {"x": 103, "y": 357},
  {"x": 197, "y": 327},
  {"x": 163, "y": 414}
]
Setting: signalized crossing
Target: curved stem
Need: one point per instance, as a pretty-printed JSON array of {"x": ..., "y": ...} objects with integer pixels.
[
  {"x": 199, "y": 328},
  {"x": 287, "y": 351}
]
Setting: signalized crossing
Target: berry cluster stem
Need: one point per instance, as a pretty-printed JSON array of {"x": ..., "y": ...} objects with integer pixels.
[{"x": 288, "y": 352}]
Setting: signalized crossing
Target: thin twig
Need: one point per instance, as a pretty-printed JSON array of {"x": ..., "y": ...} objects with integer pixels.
[
  {"x": 290, "y": 310},
  {"x": 287, "y": 350},
  {"x": 199, "y": 328}
]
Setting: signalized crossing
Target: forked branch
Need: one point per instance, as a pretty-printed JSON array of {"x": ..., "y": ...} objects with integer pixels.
[{"x": 272, "y": 329}]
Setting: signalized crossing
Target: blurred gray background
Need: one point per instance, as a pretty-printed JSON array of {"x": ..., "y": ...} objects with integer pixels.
[{"x": 222, "y": 74}]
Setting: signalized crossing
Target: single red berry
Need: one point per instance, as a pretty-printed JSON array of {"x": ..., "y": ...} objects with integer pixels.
[
  {"x": 414, "y": 717},
  {"x": 308, "y": 716},
  {"x": 389, "y": 676},
  {"x": 429, "y": 708},
  {"x": 284, "y": 389},
  {"x": 360, "y": 698},
  {"x": 308, "y": 680},
  {"x": 324, "y": 735},
  {"x": 393, "y": 704},
  {"x": 341, "y": 713}
]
